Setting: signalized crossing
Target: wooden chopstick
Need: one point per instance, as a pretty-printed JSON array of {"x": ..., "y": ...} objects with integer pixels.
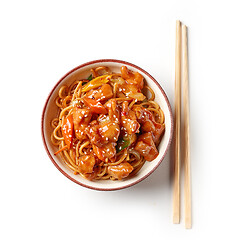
[
  {"x": 176, "y": 193},
  {"x": 186, "y": 149}
]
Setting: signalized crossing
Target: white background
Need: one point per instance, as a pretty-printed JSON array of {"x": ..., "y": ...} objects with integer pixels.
[{"x": 42, "y": 40}]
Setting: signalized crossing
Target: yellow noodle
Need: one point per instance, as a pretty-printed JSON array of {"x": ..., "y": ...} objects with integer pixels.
[
  {"x": 66, "y": 160},
  {"x": 132, "y": 103},
  {"x": 83, "y": 146},
  {"x": 58, "y": 101},
  {"x": 162, "y": 116},
  {"x": 134, "y": 153},
  {"x": 69, "y": 159},
  {"x": 72, "y": 87},
  {"x": 72, "y": 156},
  {"x": 115, "y": 76},
  {"x": 77, "y": 149},
  {"x": 154, "y": 110},
  {"x": 103, "y": 172},
  {"x": 115, "y": 89},
  {"x": 70, "y": 166},
  {"x": 55, "y": 133},
  {"x": 105, "y": 177},
  {"x": 66, "y": 101},
  {"x": 156, "y": 105},
  {"x": 63, "y": 112},
  {"x": 105, "y": 70},
  {"x": 94, "y": 73},
  {"x": 54, "y": 122},
  {"x": 63, "y": 91},
  {"x": 152, "y": 93},
  {"x": 120, "y": 160},
  {"x": 137, "y": 163},
  {"x": 76, "y": 90},
  {"x": 135, "y": 171},
  {"x": 54, "y": 141}
]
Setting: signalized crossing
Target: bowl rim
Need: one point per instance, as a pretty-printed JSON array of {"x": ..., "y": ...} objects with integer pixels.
[{"x": 104, "y": 61}]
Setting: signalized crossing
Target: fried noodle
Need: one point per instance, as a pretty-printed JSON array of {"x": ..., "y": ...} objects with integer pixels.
[{"x": 74, "y": 95}]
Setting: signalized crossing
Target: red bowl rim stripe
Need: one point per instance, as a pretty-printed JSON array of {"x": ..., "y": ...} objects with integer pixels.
[{"x": 102, "y": 61}]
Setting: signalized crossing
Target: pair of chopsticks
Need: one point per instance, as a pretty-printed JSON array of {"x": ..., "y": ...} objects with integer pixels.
[{"x": 181, "y": 71}]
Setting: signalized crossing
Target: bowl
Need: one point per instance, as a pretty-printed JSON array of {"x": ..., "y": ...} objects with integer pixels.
[{"x": 50, "y": 111}]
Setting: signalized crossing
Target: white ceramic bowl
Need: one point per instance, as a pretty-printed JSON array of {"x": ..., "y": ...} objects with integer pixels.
[{"x": 50, "y": 111}]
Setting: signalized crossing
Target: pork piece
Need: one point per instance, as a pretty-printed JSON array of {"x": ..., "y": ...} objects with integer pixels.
[
  {"x": 132, "y": 78},
  {"x": 109, "y": 128},
  {"x": 103, "y": 93},
  {"x": 142, "y": 114},
  {"x": 146, "y": 147},
  {"x": 127, "y": 89},
  {"x": 130, "y": 90},
  {"x": 120, "y": 171},
  {"x": 81, "y": 119},
  {"x": 91, "y": 176},
  {"x": 128, "y": 119},
  {"x": 94, "y": 134},
  {"x": 158, "y": 133},
  {"x": 109, "y": 131},
  {"x": 106, "y": 151},
  {"x": 113, "y": 110},
  {"x": 103, "y": 131},
  {"x": 126, "y": 73},
  {"x": 148, "y": 123},
  {"x": 86, "y": 164}
]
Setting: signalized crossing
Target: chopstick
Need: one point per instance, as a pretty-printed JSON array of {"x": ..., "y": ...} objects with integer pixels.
[
  {"x": 177, "y": 115},
  {"x": 181, "y": 63},
  {"x": 186, "y": 160}
]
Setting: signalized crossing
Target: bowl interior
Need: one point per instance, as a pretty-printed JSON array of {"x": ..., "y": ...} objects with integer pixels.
[{"x": 51, "y": 110}]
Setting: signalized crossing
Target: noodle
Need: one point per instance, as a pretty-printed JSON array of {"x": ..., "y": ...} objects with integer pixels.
[
  {"x": 58, "y": 102},
  {"x": 77, "y": 149},
  {"x": 152, "y": 93},
  {"x": 63, "y": 91},
  {"x": 66, "y": 101},
  {"x": 83, "y": 146},
  {"x": 77, "y": 90},
  {"x": 55, "y": 133},
  {"x": 63, "y": 112},
  {"x": 121, "y": 159}
]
